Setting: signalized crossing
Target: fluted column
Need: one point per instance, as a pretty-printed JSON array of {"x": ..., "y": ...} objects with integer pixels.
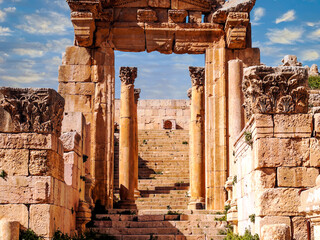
[
  {"x": 137, "y": 92},
  {"x": 235, "y": 109},
  {"x": 197, "y": 139},
  {"x": 127, "y": 138}
]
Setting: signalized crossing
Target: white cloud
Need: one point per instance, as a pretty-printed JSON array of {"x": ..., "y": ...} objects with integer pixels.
[
  {"x": 1, "y": 1},
  {"x": 10, "y": 9},
  {"x": 5, "y": 31},
  {"x": 46, "y": 23},
  {"x": 315, "y": 34},
  {"x": 28, "y": 76},
  {"x": 287, "y": 17},
  {"x": 285, "y": 36},
  {"x": 2, "y": 16},
  {"x": 258, "y": 13},
  {"x": 310, "y": 55},
  {"x": 59, "y": 45},
  {"x": 33, "y": 53}
]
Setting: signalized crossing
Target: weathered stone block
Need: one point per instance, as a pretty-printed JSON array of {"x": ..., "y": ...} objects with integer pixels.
[
  {"x": 275, "y": 232},
  {"x": 15, "y": 212},
  {"x": 295, "y": 125},
  {"x": 9, "y": 230},
  {"x": 79, "y": 103},
  {"x": 77, "y": 56},
  {"x": 297, "y": 176},
  {"x": 21, "y": 189},
  {"x": 269, "y": 220},
  {"x": 317, "y": 124},
  {"x": 71, "y": 142},
  {"x": 314, "y": 152},
  {"x": 275, "y": 152},
  {"x": 74, "y": 73},
  {"x": 262, "y": 126},
  {"x": 278, "y": 202},
  {"x": 31, "y": 141},
  {"x": 76, "y": 88},
  {"x": 46, "y": 163},
  {"x": 14, "y": 161},
  {"x": 45, "y": 219},
  {"x": 263, "y": 178},
  {"x": 300, "y": 228},
  {"x": 37, "y": 110}
]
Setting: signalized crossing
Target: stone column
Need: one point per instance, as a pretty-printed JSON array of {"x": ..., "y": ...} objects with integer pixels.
[
  {"x": 137, "y": 92},
  {"x": 235, "y": 110},
  {"x": 127, "y": 138},
  {"x": 197, "y": 139}
]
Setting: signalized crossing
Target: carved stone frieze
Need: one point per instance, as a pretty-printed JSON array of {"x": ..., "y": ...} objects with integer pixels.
[
  {"x": 137, "y": 92},
  {"x": 177, "y": 16},
  {"x": 84, "y": 26},
  {"x": 275, "y": 90},
  {"x": 197, "y": 75},
  {"x": 236, "y": 29},
  {"x": 291, "y": 60},
  {"x": 37, "y": 110},
  {"x": 146, "y": 15},
  {"x": 128, "y": 75}
]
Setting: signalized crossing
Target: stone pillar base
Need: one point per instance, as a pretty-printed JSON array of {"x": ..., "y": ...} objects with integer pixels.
[
  {"x": 127, "y": 204},
  {"x": 196, "y": 205}
]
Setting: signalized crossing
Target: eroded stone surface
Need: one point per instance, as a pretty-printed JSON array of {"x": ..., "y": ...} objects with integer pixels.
[
  {"x": 32, "y": 110},
  {"x": 275, "y": 232}
]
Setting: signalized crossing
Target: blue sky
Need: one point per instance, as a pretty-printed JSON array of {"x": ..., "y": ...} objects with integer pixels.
[{"x": 34, "y": 34}]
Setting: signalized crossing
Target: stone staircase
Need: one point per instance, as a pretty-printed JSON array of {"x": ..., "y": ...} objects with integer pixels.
[
  {"x": 163, "y": 169},
  {"x": 159, "y": 225},
  {"x": 162, "y": 206}
]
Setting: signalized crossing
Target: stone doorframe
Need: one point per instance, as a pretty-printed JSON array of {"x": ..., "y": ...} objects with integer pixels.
[{"x": 220, "y": 30}]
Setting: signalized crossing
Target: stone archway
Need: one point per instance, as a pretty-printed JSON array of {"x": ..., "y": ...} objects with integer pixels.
[{"x": 86, "y": 78}]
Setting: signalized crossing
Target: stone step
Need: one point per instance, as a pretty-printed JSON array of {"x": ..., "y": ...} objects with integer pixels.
[{"x": 169, "y": 237}]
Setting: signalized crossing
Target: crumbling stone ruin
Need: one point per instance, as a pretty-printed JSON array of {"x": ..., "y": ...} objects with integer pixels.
[{"x": 247, "y": 141}]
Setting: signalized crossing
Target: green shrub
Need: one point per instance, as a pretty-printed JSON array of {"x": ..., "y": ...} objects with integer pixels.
[
  {"x": 28, "y": 235},
  {"x": 314, "y": 82},
  {"x": 247, "y": 236}
]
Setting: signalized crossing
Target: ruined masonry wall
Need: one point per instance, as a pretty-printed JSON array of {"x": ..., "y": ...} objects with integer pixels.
[{"x": 152, "y": 112}]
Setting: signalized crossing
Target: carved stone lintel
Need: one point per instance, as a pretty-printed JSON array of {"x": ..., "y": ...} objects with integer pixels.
[
  {"x": 137, "y": 92},
  {"x": 38, "y": 110},
  {"x": 107, "y": 15},
  {"x": 236, "y": 29},
  {"x": 146, "y": 15},
  {"x": 177, "y": 16},
  {"x": 128, "y": 75},
  {"x": 275, "y": 90},
  {"x": 197, "y": 75},
  {"x": 84, "y": 26}
]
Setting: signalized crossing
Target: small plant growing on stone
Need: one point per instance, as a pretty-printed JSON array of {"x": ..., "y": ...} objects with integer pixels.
[
  {"x": 185, "y": 143},
  {"x": 235, "y": 180},
  {"x": 252, "y": 218},
  {"x": 314, "y": 82},
  {"x": 248, "y": 138},
  {"x": 3, "y": 174},
  {"x": 247, "y": 236},
  {"x": 159, "y": 172},
  {"x": 28, "y": 235},
  {"x": 145, "y": 141}
]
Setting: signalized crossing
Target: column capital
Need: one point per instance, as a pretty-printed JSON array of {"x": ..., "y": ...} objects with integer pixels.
[
  {"x": 128, "y": 75},
  {"x": 197, "y": 75},
  {"x": 137, "y": 92}
]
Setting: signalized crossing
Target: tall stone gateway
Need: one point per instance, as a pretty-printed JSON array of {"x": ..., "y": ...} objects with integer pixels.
[{"x": 219, "y": 29}]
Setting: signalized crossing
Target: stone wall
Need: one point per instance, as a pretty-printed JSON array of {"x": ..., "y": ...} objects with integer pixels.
[
  {"x": 276, "y": 157},
  {"x": 151, "y": 113}
]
